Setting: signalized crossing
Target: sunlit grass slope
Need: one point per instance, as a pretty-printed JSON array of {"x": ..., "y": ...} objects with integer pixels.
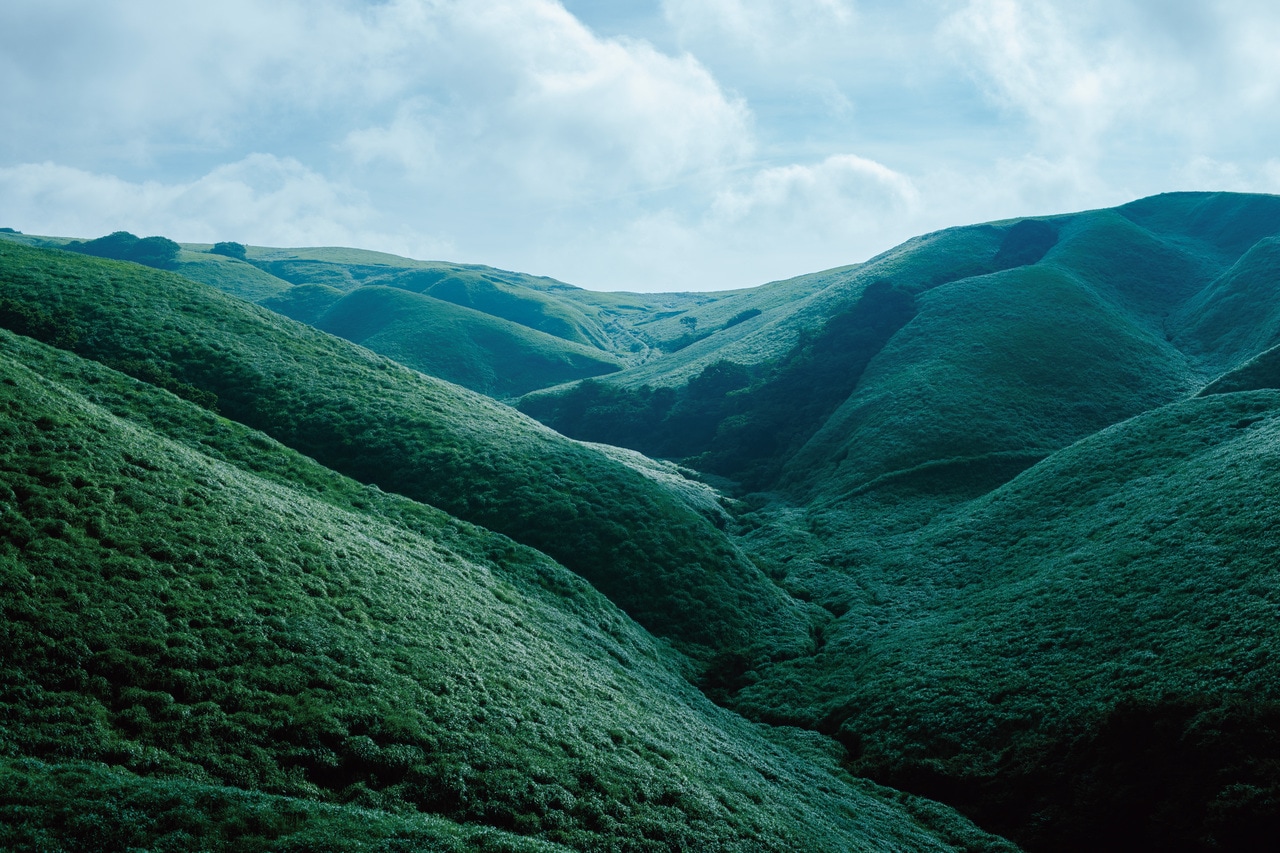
[
  {"x": 998, "y": 368},
  {"x": 528, "y": 300},
  {"x": 1084, "y": 658},
  {"x": 230, "y": 275},
  {"x": 478, "y": 351},
  {"x": 209, "y": 638},
  {"x": 637, "y": 541}
]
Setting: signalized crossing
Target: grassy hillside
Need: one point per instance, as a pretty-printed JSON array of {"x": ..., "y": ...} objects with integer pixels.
[
  {"x": 954, "y": 360},
  {"x": 1236, "y": 317},
  {"x": 209, "y": 638},
  {"x": 376, "y": 421},
  {"x": 523, "y": 299},
  {"x": 1084, "y": 658},
  {"x": 461, "y": 345}
]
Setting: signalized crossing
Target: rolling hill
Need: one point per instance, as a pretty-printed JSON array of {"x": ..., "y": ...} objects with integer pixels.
[{"x": 987, "y": 519}]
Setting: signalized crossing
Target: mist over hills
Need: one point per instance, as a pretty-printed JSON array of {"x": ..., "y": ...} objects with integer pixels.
[{"x": 988, "y": 519}]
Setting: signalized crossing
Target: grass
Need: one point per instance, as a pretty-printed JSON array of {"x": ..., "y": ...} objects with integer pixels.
[
  {"x": 1011, "y": 548},
  {"x": 476, "y": 350},
  {"x": 381, "y": 423},
  {"x": 208, "y": 633},
  {"x": 993, "y": 657}
]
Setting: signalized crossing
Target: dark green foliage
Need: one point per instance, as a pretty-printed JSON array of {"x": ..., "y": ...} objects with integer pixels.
[
  {"x": 86, "y": 807},
  {"x": 741, "y": 317},
  {"x": 1261, "y": 371},
  {"x": 665, "y": 563},
  {"x": 210, "y": 641},
  {"x": 9, "y": 231},
  {"x": 158, "y": 375},
  {"x": 27, "y": 319},
  {"x": 1082, "y": 659},
  {"x": 230, "y": 249},
  {"x": 1025, "y": 243},
  {"x": 1176, "y": 774},
  {"x": 158, "y": 252}
]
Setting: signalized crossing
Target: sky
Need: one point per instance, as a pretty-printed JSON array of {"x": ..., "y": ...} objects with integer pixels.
[{"x": 653, "y": 145}]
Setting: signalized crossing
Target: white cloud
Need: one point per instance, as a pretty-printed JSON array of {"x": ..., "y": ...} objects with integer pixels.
[
  {"x": 844, "y": 192},
  {"x": 1090, "y": 75},
  {"x": 767, "y": 28},
  {"x": 559, "y": 111},
  {"x": 510, "y": 133},
  {"x": 261, "y": 199}
]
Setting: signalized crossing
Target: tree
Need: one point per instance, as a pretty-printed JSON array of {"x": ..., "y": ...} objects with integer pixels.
[
  {"x": 159, "y": 252},
  {"x": 231, "y": 250}
]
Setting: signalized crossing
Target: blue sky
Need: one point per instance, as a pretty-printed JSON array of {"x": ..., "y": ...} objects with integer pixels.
[{"x": 662, "y": 145}]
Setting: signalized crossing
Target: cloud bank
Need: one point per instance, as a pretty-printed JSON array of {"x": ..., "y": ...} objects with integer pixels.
[{"x": 686, "y": 145}]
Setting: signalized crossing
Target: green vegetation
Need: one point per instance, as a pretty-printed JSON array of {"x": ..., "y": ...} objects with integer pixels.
[
  {"x": 208, "y": 633},
  {"x": 230, "y": 249},
  {"x": 159, "y": 252},
  {"x": 475, "y": 350},
  {"x": 1082, "y": 659},
  {"x": 988, "y": 519},
  {"x": 367, "y": 417}
]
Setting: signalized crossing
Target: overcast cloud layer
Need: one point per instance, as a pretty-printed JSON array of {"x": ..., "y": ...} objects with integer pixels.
[{"x": 661, "y": 145}]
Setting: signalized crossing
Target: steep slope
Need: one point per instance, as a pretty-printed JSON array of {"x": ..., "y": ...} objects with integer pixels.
[
  {"x": 640, "y": 543},
  {"x": 952, "y": 361},
  {"x": 210, "y": 631},
  {"x": 472, "y": 349},
  {"x": 527, "y": 300},
  {"x": 1237, "y": 316},
  {"x": 1082, "y": 659}
]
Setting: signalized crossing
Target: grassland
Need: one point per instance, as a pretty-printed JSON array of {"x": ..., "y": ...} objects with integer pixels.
[
  {"x": 381, "y": 423},
  {"x": 991, "y": 523},
  {"x": 208, "y": 633}
]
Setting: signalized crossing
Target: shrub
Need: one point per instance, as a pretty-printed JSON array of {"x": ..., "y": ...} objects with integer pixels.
[{"x": 231, "y": 250}]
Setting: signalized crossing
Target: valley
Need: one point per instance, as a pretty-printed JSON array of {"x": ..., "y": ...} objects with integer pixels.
[{"x": 970, "y": 546}]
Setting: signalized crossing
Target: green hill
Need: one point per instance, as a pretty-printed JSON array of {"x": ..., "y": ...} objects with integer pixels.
[
  {"x": 1082, "y": 659},
  {"x": 211, "y": 641},
  {"x": 970, "y": 353},
  {"x": 467, "y": 347},
  {"x": 367, "y": 417},
  {"x": 987, "y": 519}
]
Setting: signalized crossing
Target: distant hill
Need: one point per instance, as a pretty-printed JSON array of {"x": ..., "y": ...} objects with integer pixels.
[{"x": 978, "y": 350}]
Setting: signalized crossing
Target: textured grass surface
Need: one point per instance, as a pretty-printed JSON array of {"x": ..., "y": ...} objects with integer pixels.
[
  {"x": 996, "y": 657},
  {"x": 473, "y": 349},
  {"x": 379, "y": 422},
  {"x": 212, "y": 611}
]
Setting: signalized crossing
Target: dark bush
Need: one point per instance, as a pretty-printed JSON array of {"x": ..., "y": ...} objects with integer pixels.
[
  {"x": 231, "y": 250},
  {"x": 158, "y": 252}
]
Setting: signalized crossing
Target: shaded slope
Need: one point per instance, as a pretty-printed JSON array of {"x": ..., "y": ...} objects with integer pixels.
[
  {"x": 1022, "y": 338},
  {"x": 1237, "y": 316},
  {"x": 1084, "y": 658},
  {"x": 1003, "y": 367},
  {"x": 974, "y": 350},
  {"x": 381, "y": 423},
  {"x": 216, "y": 610},
  {"x": 1261, "y": 371},
  {"x": 480, "y": 352}
]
